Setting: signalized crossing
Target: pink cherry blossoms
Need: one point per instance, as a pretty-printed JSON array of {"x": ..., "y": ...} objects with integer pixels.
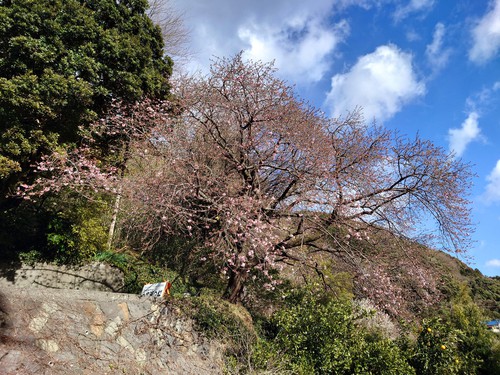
[{"x": 253, "y": 174}]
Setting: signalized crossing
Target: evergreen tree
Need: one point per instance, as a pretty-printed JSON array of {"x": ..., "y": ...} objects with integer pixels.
[{"x": 61, "y": 64}]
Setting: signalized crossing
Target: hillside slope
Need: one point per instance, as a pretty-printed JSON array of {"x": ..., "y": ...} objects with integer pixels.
[
  {"x": 404, "y": 279},
  {"x": 66, "y": 320}
]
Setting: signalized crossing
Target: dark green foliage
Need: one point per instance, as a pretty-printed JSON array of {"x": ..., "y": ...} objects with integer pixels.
[
  {"x": 76, "y": 235},
  {"x": 436, "y": 350},
  {"x": 215, "y": 318},
  {"x": 229, "y": 323},
  {"x": 457, "y": 342},
  {"x": 66, "y": 230},
  {"x": 119, "y": 260},
  {"x": 321, "y": 336},
  {"x": 316, "y": 334},
  {"x": 21, "y": 230},
  {"x": 176, "y": 253},
  {"x": 486, "y": 291},
  {"x": 61, "y": 63},
  {"x": 141, "y": 270}
]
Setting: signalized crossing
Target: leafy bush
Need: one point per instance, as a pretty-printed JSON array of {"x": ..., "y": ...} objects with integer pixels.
[
  {"x": 139, "y": 271},
  {"x": 229, "y": 323},
  {"x": 321, "y": 336},
  {"x": 457, "y": 342},
  {"x": 436, "y": 350},
  {"x": 61, "y": 241},
  {"x": 76, "y": 231},
  {"x": 119, "y": 260}
]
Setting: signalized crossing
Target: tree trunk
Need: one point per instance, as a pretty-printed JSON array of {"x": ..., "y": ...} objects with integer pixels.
[
  {"x": 235, "y": 285},
  {"x": 116, "y": 207},
  {"x": 114, "y": 218}
]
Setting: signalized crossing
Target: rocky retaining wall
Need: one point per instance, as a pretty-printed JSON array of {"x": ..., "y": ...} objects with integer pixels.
[
  {"x": 68, "y": 320},
  {"x": 94, "y": 276},
  {"x": 54, "y": 331}
]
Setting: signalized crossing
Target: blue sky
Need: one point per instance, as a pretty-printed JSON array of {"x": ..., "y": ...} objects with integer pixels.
[{"x": 420, "y": 66}]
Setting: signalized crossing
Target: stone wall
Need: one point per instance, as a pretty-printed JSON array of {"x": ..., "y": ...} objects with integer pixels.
[
  {"x": 56, "y": 331},
  {"x": 70, "y": 320},
  {"x": 94, "y": 276}
]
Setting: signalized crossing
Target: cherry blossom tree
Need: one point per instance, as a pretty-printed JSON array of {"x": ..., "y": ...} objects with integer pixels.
[
  {"x": 254, "y": 174},
  {"x": 258, "y": 178}
]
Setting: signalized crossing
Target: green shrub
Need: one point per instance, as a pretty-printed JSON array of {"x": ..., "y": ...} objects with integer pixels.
[
  {"x": 119, "y": 260},
  {"x": 61, "y": 241},
  {"x": 216, "y": 317},
  {"x": 321, "y": 336},
  {"x": 139, "y": 271},
  {"x": 230, "y": 324},
  {"x": 77, "y": 230},
  {"x": 457, "y": 342},
  {"x": 436, "y": 350},
  {"x": 31, "y": 257}
]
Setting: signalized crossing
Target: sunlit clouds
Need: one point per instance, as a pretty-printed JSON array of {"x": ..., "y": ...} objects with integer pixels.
[
  {"x": 492, "y": 193},
  {"x": 301, "y": 48},
  {"x": 486, "y": 35},
  {"x": 380, "y": 82},
  {"x": 460, "y": 138},
  {"x": 296, "y": 35}
]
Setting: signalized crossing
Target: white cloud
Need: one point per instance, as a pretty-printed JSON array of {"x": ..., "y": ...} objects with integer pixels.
[
  {"x": 366, "y": 4},
  {"x": 460, "y": 138},
  {"x": 486, "y": 35},
  {"x": 380, "y": 82},
  {"x": 412, "y": 7},
  {"x": 492, "y": 193},
  {"x": 296, "y": 34},
  {"x": 436, "y": 54},
  {"x": 493, "y": 263},
  {"x": 301, "y": 49},
  {"x": 483, "y": 98}
]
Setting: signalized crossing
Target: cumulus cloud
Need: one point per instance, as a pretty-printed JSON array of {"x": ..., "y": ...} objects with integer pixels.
[
  {"x": 492, "y": 193},
  {"x": 297, "y": 35},
  {"x": 412, "y": 7},
  {"x": 380, "y": 82},
  {"x": 301, "y": 48},
  {"x": 460, "y": 138},
  {"x": 493, "y": 263},
  {"x": 486, "y": 35},
  {"x": 437, "y": 55}
]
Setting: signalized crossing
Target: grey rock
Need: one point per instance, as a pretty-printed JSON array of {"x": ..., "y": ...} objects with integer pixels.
[{"x": 70, "y": 331}]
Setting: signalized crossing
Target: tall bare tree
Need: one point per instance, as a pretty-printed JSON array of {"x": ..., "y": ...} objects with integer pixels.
[{"x": 174, "y": 30}]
